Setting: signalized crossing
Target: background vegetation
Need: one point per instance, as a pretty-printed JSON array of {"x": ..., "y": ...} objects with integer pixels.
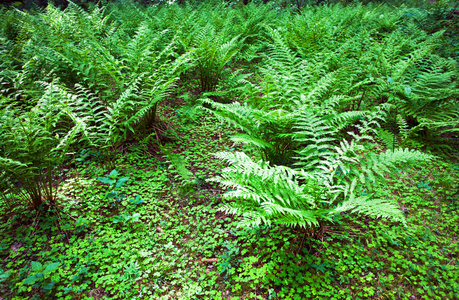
[{"x": 229, "y": 150}]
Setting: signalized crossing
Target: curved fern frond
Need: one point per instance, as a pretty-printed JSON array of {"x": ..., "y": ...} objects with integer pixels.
[
  {"x": 267, "y": 194},
  {"x": 375, "y": 166},
  {"x": 377, "y": 208},
  {"x": 247, "y": 139},
  {"x": 264, "y": 194}
]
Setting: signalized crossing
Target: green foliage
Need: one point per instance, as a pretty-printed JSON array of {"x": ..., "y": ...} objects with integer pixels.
[
  {"x": 422, "y": 90},
  {"x": 119, "y": 79},
  {"x": 263, "y": 129},
  {"x": 265, "y": 195},
  {"x": 183, "y": 174},
  {"x": 212, "y": 51},
  {"x": 40, "y": 274},
  {"x": 112, "y": 179},
  {"x": 328, "y": 101},
  {"x": 228, "y": 258},
  {"x": 281, "y": 195},
  {"x": 369, "y": 62},
  {"x": 34, "y": 143}
]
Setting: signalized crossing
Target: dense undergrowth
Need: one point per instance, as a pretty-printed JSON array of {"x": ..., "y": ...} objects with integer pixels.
[{"x": 223, "y": 151}]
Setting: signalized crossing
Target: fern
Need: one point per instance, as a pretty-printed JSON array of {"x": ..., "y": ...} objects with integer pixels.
[
  {"x": 421, "y": 86},
  {"x": 374, "y": 167},
  {"x": 377, "y": 208},
  {"x": 34, "y": 143},
  {"x": 187, "y": 177},
  {"x": 323, "y": 184},
  {"x": 316, "y": 135},
  {"x": 287, "y": 77},
  {"x": 280, "y": 195},
  {"x": 388, "y": 138},
  {"x": 267, "y": 131},
  {"x": 264, "y": 194},
  {"x": 319, "y": 151},
  {"x": 212, "y": 51}
]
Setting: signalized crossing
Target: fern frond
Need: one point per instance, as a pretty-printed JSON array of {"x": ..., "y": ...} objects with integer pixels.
[
  {"x": 240, "y": 116},
  {"x": 376, "y": 166},
  {"x": 247, "y": 139},
  {"x": 265, "y": 194},
  {"x": 316, "y": 135},
  {"x": 377, "y": 208},
  {"x": 387, "y": 138}
]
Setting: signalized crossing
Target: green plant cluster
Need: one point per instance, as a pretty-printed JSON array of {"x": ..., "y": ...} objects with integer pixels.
[{"x": 216, "y": 150}]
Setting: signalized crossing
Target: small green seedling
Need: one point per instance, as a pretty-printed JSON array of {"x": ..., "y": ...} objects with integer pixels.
[
  {"x": 41, "y": 275},
  {"x": 114, "y": 181}
]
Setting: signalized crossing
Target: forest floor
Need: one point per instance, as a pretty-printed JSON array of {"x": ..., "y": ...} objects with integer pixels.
[{"x": 159, "y": 234}]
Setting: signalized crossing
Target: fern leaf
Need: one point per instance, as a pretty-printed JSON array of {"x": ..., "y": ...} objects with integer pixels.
[
  {"x": 247, "y": 139},
  {"x": 377, "y": 208}
]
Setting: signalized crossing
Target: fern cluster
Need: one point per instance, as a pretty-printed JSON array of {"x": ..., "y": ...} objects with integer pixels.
[
  {"x": 334, "y": 173},
  {"x": 265, "y": 194},
  {"x": 317, "y": 85},
  {"x": 34, "y": 143}
]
